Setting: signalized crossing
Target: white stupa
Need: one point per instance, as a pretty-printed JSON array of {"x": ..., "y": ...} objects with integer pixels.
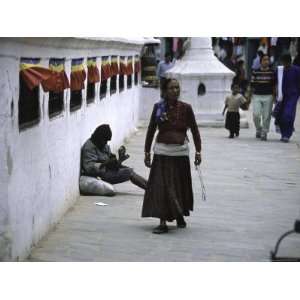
[{"x": 204, "y": 82}]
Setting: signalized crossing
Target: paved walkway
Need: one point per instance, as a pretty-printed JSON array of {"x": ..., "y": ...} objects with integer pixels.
[{"x": 253, "y": 190}]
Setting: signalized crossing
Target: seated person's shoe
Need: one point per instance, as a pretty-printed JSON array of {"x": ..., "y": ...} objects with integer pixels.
[
  {"x": 160, "y": 229},
  {"x": 180, "y": 222}
]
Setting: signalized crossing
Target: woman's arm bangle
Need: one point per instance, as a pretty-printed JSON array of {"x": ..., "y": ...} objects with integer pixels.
[{"x": 198, "y": 153}]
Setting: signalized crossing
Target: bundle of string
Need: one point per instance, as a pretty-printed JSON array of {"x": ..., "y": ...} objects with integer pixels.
[{"x": 202, "y": 183}]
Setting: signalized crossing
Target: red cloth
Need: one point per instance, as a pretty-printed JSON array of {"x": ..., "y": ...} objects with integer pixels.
[
  {"x": 77, "y": 80},
  {"x": 57, "y": 82},
  {"x": 93, "y": 74},
  {"x": 123, "y": 68},
  {"x": 105, "y": 72},
  {"x": 114, "y": 69},
  {"x": 129, "y": 70},
  {"x": 35, "y": 75}
]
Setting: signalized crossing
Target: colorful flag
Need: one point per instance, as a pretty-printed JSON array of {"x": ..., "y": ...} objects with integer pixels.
[
  {"x": 78, "y": 74},
  {"x": 32, "y": 72},
  {"x": 123, "y": 66},
  {"x": 129, "y": 66},
  {"x": 114, "y": 67},
  {"x": 58, "y": 80},
  {"x": 105, "y": 68},
  {"x": 93, "y": 71}
]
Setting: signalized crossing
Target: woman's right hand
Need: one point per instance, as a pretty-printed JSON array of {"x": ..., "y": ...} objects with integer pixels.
[
  {"x": 198, "y": 159},
  {"x": 147, "y": 160}
]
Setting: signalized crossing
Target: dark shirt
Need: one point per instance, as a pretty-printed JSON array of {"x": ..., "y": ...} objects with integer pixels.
[
  {"x": 263, "y": 82},
  {"x": 173, "y": 130}
]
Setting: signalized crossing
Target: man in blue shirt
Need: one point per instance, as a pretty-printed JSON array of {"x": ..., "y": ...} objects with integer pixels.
[{"x": 164, "y": 66}]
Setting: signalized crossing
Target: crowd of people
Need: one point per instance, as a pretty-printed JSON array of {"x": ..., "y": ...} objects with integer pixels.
[
  {"x": 233, "y": 53},
  {"x": 231, "y": 50},
  {"x": 273, "y": 85}
]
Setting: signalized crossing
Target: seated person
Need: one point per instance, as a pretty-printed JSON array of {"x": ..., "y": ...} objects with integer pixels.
[{"x": 97, "y": 162}]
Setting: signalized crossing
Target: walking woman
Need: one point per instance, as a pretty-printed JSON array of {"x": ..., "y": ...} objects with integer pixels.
[
  {"x": 285, "y": 110},
  {"x": 169, "y": 194}
]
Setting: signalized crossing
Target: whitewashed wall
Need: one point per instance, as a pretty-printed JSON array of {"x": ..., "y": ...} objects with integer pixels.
[
  {"x": 40, "y": 165},
  {"x": 148, "y": 97}
]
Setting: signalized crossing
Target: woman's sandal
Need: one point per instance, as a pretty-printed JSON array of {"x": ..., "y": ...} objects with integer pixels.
[{"x": 160, "y": 229}]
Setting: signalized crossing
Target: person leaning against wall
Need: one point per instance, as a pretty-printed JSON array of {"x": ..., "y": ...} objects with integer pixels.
[
  {"x": 100, "y": 168},
  {"x": 169, "y": 194}
]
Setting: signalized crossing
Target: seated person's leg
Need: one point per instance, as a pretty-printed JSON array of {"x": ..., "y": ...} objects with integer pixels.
[{"x": 117, "y": 176}]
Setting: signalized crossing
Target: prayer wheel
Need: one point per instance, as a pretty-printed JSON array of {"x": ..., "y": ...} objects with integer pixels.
[{"x": 149, "y": 66}]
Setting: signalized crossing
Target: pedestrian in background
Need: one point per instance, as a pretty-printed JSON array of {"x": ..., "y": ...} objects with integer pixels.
[
  {"x": 232, "y": 105},
  {"x": 263, "y": 96},
  {"x": 228, "y": 60},
  {"x": 240, "y": 77},
  {"x": 169, "y": 194},
  {"x": 282, "y": 46},
  {"x": 264, "y": 47},
  {"x": 164, "y": 66},
  {"x": 285, "y": 110}
]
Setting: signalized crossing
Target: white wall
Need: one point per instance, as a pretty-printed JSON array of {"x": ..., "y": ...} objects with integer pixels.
[
  {"x": 213, "y": 100},
  {"x": 40, "y": 165},
  {"x": 5, "y": 165},
  {"x": 148, "y": 97}
]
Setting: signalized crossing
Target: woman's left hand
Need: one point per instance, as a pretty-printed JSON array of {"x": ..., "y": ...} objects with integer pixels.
[{"x": 197, "y": 159}]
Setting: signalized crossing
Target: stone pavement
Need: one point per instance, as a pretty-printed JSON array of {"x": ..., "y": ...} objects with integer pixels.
[{"x": 253, "y": 190}]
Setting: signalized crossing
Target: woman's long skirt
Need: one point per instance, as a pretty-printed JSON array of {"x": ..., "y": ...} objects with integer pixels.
[{"x": 169, "y": 192}]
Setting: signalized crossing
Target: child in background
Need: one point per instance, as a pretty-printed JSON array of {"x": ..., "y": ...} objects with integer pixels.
[{"x": 232, "y": 104}]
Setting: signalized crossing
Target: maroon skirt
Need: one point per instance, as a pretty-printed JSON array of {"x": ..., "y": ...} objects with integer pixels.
[{"x": 169, "y": 192}]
